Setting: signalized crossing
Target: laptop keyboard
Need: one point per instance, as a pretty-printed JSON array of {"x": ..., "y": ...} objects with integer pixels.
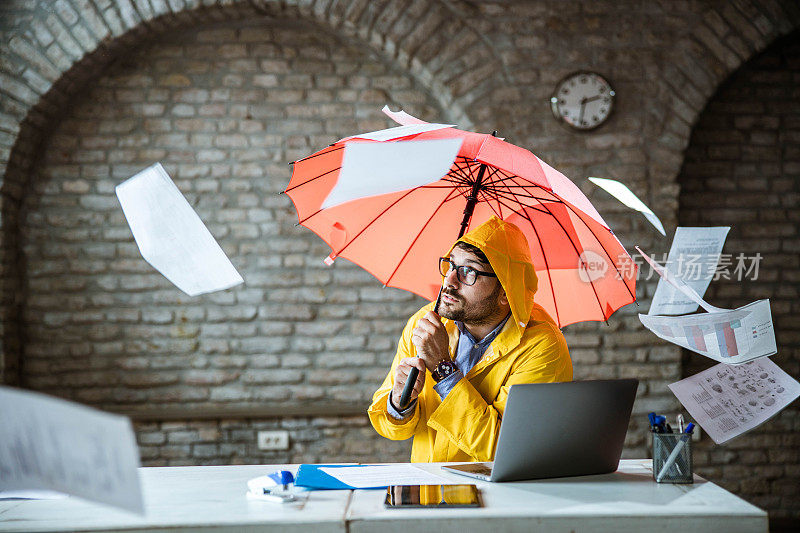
[{"x": 484, "y": 469}]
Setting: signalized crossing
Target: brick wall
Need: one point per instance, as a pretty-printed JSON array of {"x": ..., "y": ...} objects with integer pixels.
[
  {"x": 743, "y": 169},
  {"x": 224, "y": 94},
  {"x": 224, "y": 108},
  {"x": 233, "y": 441}
]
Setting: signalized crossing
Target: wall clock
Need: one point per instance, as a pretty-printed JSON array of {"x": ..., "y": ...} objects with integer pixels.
[{"x": 582, "y": 100}]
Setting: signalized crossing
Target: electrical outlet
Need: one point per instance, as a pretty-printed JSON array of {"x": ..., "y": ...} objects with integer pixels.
[{"x": 273, "y": 440}]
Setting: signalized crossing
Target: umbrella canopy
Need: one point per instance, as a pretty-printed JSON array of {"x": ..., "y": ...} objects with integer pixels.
[{"x": 584, "y": 272}]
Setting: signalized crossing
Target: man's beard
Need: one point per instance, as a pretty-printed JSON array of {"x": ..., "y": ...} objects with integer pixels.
[{"x": 482, "y": 312}]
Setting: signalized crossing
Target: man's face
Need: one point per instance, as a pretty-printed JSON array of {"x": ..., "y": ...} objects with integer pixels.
[{"x": 472, "y": 304}]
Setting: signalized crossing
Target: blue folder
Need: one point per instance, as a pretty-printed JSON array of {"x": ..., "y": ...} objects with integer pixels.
[{"x": 311, "y": 477}]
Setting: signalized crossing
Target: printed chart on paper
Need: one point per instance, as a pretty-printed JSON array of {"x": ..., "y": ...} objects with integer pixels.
[{"x": 728, "y": 400}]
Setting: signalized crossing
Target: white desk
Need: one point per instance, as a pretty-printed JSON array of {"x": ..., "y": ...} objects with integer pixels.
[
  {"x": 627, "y": 500},
  {"x": 213, "y": 498},
  {"x": 186, "y": 497}
]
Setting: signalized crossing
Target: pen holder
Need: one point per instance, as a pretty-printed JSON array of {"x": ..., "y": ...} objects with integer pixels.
[{"x": 678, "y": 464}]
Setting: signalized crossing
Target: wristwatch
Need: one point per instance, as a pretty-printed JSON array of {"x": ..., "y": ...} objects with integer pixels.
[{"x": 443, "y": 369}]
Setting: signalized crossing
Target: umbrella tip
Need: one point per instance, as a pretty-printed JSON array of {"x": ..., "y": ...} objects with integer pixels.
[{"x": 494, "y": 133}]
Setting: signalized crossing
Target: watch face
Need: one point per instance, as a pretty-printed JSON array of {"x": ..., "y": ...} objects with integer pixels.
[
  {"x": 583, "y": 100},
  {"x": 443, "y": 369}
]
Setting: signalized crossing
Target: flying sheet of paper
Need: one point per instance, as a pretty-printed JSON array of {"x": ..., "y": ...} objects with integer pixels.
[
  {"x": 370, "y": 169},
  {"x": 621, "y": 192},
  {"x": 396, "y": 133},
  {"x": 401, "y": 117},
  {"x": 679, "y": 284},
  {"x": 372, "y": 476},
  {"x": 728, "y": 336},
  {"x": 693, "y": 259},
  {"x": 32, "y": 495},
  {"x": 170, "y": 235},
  {"x": 728, "y": 400},
  {"x": 731, "y": 337},
  {"x": 52, "y": 444}
]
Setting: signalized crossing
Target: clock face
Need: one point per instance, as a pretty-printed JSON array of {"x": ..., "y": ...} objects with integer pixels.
[{"x": 583, "y": 100}]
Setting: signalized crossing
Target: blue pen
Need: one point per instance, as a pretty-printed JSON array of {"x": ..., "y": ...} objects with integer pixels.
[
  {"x": 655, "y": 427},
  {"x": 677, "y": 450},
  {"x": 659, "y": 423}
]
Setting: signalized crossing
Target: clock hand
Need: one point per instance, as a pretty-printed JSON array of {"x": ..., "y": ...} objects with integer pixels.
[
  {"x": 583, "y": 108},
  {"x": 592, "y": 99}
]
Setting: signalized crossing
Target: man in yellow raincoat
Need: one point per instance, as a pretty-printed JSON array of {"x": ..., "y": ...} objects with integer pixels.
[{"x": 488, "y": 335}]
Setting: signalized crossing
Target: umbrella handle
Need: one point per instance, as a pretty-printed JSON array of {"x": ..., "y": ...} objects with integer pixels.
[
  {"x": 409, "y": 387},
  {"x": 414, "y": 372}
]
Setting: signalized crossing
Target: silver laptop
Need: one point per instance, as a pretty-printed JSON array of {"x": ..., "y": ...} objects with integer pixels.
[{"x": 558, "y": 430}]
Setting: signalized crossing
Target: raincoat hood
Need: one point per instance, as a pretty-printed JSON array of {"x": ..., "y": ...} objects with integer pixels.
[{"x": 507, "y": 250}]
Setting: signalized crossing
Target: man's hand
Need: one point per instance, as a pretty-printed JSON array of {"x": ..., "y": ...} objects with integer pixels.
[
  {"x": 430, "y": 339},
  {"x": 401, "y": 376}
]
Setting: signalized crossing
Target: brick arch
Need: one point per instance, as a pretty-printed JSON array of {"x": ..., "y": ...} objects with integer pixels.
[
  {"x": 726, "y": 36},
  {"x": 63, "y": 42},
  {"x": 54, "y": 48}
]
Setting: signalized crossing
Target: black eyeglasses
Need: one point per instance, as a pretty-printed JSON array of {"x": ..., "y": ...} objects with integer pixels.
[{"x": 466, "y": 274}]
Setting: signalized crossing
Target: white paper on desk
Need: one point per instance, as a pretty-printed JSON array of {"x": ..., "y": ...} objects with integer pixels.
[
  {"x": 693, "y": 259},
  {"x": 728, "y": 400},
  {"x": 370, "y": 169},
  {"x": 48, "y": 443},
  {"x": 170, "y": 235},
  {"x": 370, "y": 476},
  {"x": 731, "y": 337},
  {"x": 621, "y": 192}
]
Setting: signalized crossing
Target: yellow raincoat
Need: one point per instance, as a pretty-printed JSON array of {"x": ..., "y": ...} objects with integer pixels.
[{"x": 529, "y": 349}]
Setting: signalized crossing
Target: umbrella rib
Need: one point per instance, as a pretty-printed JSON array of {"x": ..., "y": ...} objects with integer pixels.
[
  {"x": 594, "y": 290},
  {"x": 312, "y": 179},
  {"x": 546, "y": 264},
  {"x": 575, "y": 211},
  {"x": 509, "y": 196},
  {"x": 446, "y": 199},
  {"x": 371, "y": 222},
  {"x": 488, "y": 199},
  {"x": 497, "y": 195},
  {"x": 460, "y": 175},
  {"x": 499, "y": 185},
  {"x": 601, "y": 246},
  {"x": 321, "y": 152},
  {"x": 512, "y": 176}
]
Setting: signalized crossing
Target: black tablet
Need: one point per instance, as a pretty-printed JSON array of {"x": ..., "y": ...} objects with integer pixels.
[{"x": 431, "y": 496}]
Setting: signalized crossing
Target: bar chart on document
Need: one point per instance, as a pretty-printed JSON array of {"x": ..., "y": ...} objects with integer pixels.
[
  {"x": 731, "y": 337},
  {"x": 725, "y": 339}
]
